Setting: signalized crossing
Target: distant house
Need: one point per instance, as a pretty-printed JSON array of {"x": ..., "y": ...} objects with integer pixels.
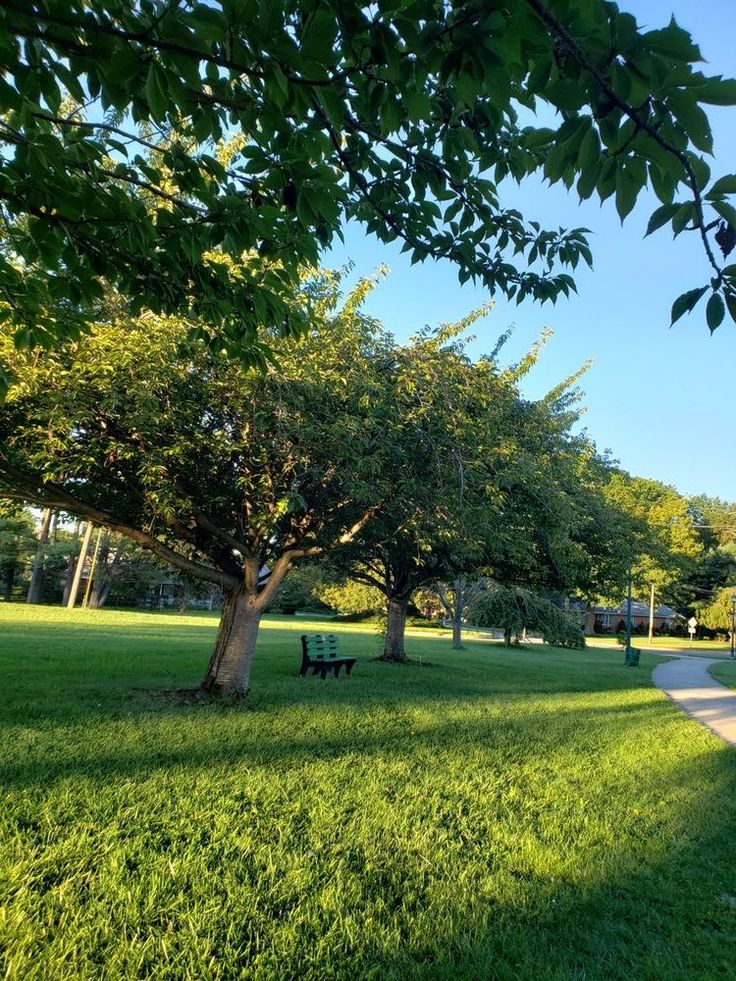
[
  {"x": 172, "y": 592},
  {"x": 606, "y": 619}
]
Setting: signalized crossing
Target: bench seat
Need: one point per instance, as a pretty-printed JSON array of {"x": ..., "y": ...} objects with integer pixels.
[{"x": 321, "y": 652}]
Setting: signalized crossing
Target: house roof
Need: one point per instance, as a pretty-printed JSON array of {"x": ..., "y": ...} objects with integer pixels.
[{"x": 639, "y": 609}]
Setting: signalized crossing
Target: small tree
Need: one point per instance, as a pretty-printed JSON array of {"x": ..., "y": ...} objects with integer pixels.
[
  {"x": 718, "y": 614},
  {"x": 515, "y": 610},
  {"x": 446, "y": 421},
  {"x": 301, "y": 590},
  {"x": 352, "y": 598},
  {"x": 456, "y": 597},
  {"x": 17, "y": 545}
]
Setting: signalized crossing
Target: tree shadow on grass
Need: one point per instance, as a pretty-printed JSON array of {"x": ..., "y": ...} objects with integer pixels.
[
  {"x": 117, "y": 688},
  {"x": 670, "y": 916},
  {"x": 644, "y": 908},
  {"x": 138, "y": 745}
]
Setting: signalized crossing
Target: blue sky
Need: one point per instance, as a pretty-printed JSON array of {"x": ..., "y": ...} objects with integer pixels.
[{"x": 659, "y": 399}]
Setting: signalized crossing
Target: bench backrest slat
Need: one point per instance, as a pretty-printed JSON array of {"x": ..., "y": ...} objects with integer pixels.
[{"x": 320, "y": 645}]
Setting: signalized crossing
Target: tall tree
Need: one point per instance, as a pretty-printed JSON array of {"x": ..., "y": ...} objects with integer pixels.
[
  {"x": 714, "y": 522},
  {"x": 448, "y": 423},
  {"x": 17, "y": 545},
  {"x": 35, "y": 587},
  {"x": 218, "y": 470},
  {"x": 405, "y": 117},
  {"x": 663, "y": 544},
  {"x": 482, "y": 480},
  {"x": 718, "y": 614},
  {"x": 456, "y": 598}
]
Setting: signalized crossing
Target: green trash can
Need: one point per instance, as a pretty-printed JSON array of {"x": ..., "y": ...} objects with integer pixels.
[{"x": 632, "y": 657}]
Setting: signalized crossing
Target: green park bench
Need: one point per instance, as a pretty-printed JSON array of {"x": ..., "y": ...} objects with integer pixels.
[
  {"x": 632, "y": 657},
  {"x": 322, "y": 652}
]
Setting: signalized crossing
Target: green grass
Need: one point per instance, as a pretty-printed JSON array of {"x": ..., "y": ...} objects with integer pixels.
[
  {"x": 725, "y": 672},
  {"x": 531, "y": 814},
  {"x": 662, "y": 643}
]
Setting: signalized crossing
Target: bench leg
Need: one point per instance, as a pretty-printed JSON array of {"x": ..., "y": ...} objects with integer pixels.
[{"x": 349, "y": 667}]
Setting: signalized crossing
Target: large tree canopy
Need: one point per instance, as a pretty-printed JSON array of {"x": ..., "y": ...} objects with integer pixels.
[
  {"x": 215, "y": 469},
  {"x": 143, "y": 140},
  {"x": 662, "y": 545}
]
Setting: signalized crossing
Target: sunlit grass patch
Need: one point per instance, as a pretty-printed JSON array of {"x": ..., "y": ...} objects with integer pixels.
[{"x": 500, "y": 814}]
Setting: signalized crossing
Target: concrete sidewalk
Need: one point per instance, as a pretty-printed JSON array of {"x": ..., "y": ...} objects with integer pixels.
[{"x": 687, "y": 682}]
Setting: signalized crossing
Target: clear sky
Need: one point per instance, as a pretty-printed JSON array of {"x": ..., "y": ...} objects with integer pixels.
[{"x": 661, "y": 400}]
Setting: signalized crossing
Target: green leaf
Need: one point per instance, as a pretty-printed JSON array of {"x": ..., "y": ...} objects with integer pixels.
[
  {"x": 715, "y": 311},
  {"x": 661, "y": 216},
  {"x": 724, "y": 185},
  {"x": 156, "y": 91},
  {"x": 686, "y": 303},
  {"x": 726, "y": 211},
  {"x": 731, "y": 304},
  {"x": 390, "y": 115},
  {"x": 663, "y": 183},
  {"x": 590, "y": 149},
  {"x": 718, "y": 91},
  {"x": 627, "y": 190},
  {"x": 674, "y": 42},
  {"x": 685, "y": 212},
  {"x": 535, "y": 138},
  {"x": 693, "y": 119},
  {"x": 418, "y": 105}
]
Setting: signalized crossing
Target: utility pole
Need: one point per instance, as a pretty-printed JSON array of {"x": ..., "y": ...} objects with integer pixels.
[
  {"x": 80, "y": 566},
  {"x": 71, "y": 564},
  {"x": 91, "y": 576},
  {"x": 651, "y": 615},
  {"x": 628, "y": 611}
]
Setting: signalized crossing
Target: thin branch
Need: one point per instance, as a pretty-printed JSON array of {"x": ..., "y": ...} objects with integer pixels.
[
  {"x": 219, "y": 533},
  {"x": 106, "y": 127},
  {"x": 146, "y": 41},
  {"x": 32, "y": 488},
  {"x": 559, "y": 31}
]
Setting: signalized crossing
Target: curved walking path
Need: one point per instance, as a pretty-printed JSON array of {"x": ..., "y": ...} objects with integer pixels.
[{"x": 687, "y": 682}]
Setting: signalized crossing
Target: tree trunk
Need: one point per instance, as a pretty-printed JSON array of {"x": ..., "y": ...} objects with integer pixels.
[
  {"x": 38, "y": 575},
  {"x": 393, "y": 647},
  {"x": 101, "y": 574},
  {"x": 71, "y": 565},
  {"x": 79, "y": 569},
  {"x": 9, "y": 579},
  {"x": 111, "y": 572},
  {"x": 228, "y": 672},
  {"x": 507, "y": 636},
  {"x": 457, "y": 631}
]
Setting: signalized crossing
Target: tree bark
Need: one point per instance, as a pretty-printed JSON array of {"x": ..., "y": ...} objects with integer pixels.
[
  {"x": 71, "y": 565},
  {"x": 79, "y": 569},
  {"x": 228, "y": 672},
  {"x": 393, "y": 647},
  {"x": 507, "y": 637},
  {"x": 38, "y": 575},
  {"x": 8, "y": 580},
  {"x": 101, "y": 573},
  {"x": 457, "y": 631}
]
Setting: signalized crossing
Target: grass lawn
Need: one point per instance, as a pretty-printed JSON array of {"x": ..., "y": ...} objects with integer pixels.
[
  {"x": 663, "y": 643},
  {"x": 725, "y": 672},
  {"x": 534, "y": 814}
]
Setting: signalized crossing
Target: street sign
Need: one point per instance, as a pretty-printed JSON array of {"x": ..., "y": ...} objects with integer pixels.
[{"x": 692, "y": 623}]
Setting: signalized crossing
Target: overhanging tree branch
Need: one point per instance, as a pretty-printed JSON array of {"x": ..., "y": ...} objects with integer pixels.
[{"x": 32, "y": 488}]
